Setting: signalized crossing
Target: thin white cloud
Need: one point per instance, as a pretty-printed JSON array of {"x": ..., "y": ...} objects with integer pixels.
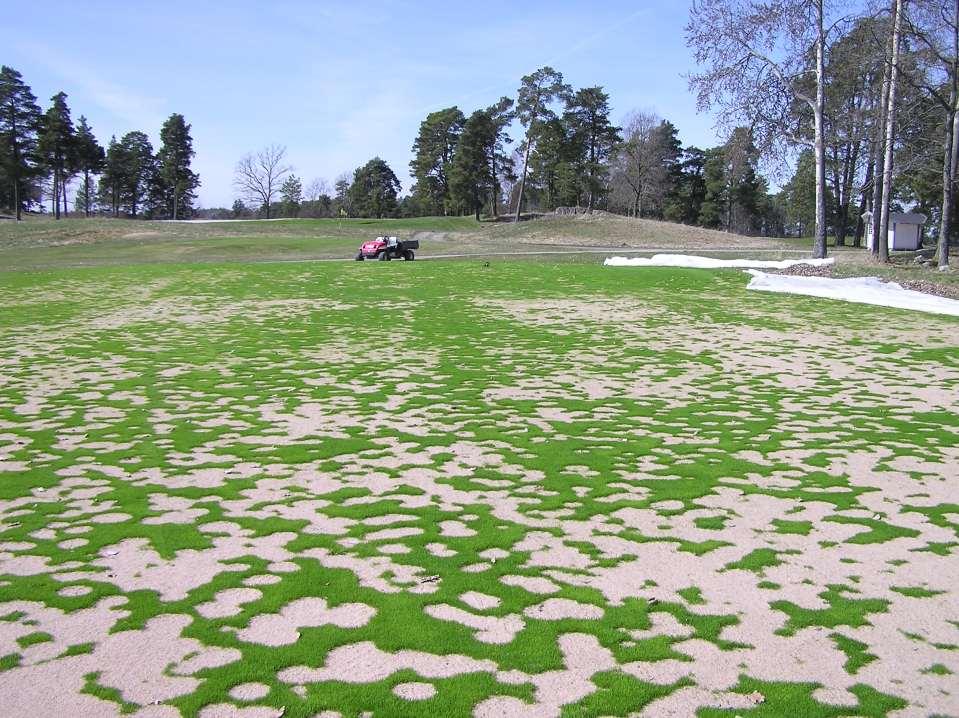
[{"x": 132, "y": 108}]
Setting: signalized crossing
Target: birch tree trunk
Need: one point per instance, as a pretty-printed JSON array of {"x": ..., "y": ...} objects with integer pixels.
[
  {"x": 176, "y": 199},
  {"x": 865, "y": 201},
  {"x": 496, "y": 192},
  {"x": 949, "y": 165},
  {"x": 819, "y": 242},
  {"x": 522, "y": 183},
  {"x": 878, "y": 172},
  {"x": 882, "y": 241}
]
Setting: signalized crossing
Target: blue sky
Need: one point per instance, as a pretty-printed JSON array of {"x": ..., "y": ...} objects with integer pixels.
[{"x": 338, "y": 82}]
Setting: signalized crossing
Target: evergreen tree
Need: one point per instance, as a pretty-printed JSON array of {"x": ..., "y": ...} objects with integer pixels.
[
  {"x": 594, "y": 137},
  {"x": 112, "y": 177},
  {"x": 672, "y": 150},
  {"x": 239, "y": 209},
  {"x": 57, "y": 147},
  {"x": 342, "y": 207},
  {"x": 19, "y": 123},
  {"x": 799, "y": 196},
  {"x": 90, "y": 159},
  {"x": 433, "y": 152},
  {"x": 536, "y": 93},
  {"x": 291, "y": 194},
  {"x": 733, "y": 189},
  {"x": 771, "y": 220},
  {"x": 374, "y": 190},
  {"x": 500, "y": 162},
  {"x": 84, "y": 200},
  {"x": 685, "y": 199},
  {"x": 175, "y": 182},
  {"x": 138, "y": 171},
  {"x": 471, "y": 181},
  {"x": 715, "y": 197},
  {"x": 744, "y": 188},
  {"x": 551, "y": 171}
]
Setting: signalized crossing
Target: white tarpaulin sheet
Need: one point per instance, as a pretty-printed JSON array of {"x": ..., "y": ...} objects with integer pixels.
[
  {"x": 865, "y": 290},
  {"x": 694, "y": 262}
]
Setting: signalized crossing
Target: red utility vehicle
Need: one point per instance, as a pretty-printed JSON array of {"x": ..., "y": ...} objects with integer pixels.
[{"x": 387, "y": 248}]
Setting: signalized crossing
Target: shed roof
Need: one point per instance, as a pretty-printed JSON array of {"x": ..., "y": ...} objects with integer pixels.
[{"x": 900, "y": 217}]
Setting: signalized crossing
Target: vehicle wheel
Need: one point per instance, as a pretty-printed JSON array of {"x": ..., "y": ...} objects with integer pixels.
[
  {"x": 384, "y": 256},
  {"x": 408, "y": 255},
  {"x": 359, "y": 257}
]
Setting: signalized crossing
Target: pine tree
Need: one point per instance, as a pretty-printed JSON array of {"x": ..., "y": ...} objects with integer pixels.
[
  {"x": 342, "y": 205},
  {"x": 744, "y": 185},
  {"x": 19, "y": 124},
  {"x": 799, "y": 195},
  {"x": 689, "y": 191},
  {"x": 672, "y": 161},
  {"x": 90, "y": 159},
  {"x": 175, "y": 182},
  {"x": 112, "y": 178},
  {"x": 83, "y": 202},
  {"x": 500, "y": 162},
  {"x": 374, "y": 190},
  {"x": 551, "y": 171},
  {"x": 57, "y": 146},
  {"x": 587, "y": 115},
  {"x": 471, "y": 182},
  {"x": 536, "y": 93},
  {"x": 433, "y": 152},
  {"x": 711, "y": 211},
  {"x": 138, "y": 170},
  {"x": 291, "y": 194}
]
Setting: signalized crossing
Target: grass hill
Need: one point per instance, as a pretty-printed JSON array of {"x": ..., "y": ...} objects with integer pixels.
[{"x": 42, "y": 242}]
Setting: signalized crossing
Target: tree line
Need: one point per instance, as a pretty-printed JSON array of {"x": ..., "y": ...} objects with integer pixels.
[
  {"x": 268, "y": 189},
  {"x": 869, "y": 98},
  {"x": 861, "y": 107},
  {"x": 572, "y": 155},
  {"x": 43, "y": 153}
]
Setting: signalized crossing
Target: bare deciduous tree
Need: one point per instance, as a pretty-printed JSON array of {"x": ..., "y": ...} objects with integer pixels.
[
  {"x": 881, "y": 241},
  {"x": 258, "y": 176},
  {"x": 315, "y": 189},
  {"x": 761, "y": 58},
  {"x": 639, "y": 173},
  {"x": 854, "y": 67},
  {"x": 933, "y": 25}
]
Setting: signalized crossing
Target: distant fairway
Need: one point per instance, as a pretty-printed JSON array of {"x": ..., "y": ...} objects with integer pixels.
[{"x": 44, "y": 242}]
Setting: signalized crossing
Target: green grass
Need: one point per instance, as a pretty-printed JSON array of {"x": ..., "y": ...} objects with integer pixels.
[
  {"x": 856, "y": 652},
  {"x": 801, "y": 528},
  {"x": 591, "y": 425},
  {"x": 756, "y": 561},
  {"x": 842, "y": 611},
  {"x": 31, "y": 639}
]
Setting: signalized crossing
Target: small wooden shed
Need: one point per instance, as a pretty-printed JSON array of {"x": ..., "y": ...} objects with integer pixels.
[{"x": 905, "y": 230}]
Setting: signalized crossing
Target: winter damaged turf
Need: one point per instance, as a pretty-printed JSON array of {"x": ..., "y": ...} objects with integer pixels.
[{"x": 449, "y": 489}]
